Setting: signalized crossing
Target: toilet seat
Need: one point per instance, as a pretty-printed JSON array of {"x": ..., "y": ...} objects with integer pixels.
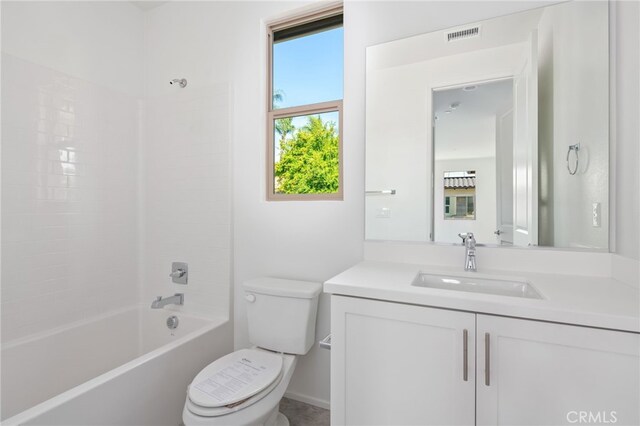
[
  {"x": 234, "y": 381},
  {"x": 221, "y": 411},
  {"x": 253, "y": 411}
]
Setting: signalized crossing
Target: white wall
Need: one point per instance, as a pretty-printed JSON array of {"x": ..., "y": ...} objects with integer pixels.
[
  {"x": 69, "y": 157},
  {"x": 626, "y": 174},
  {"x": 96, "y": 41},
  {"x": 579, "y": 116},
  {"x": 398, "y": 154},
  {"x": 399, "y": 134},
  {"x": 305, "y": 240}
]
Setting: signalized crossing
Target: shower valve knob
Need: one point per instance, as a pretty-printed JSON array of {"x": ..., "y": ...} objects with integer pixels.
[{"x": 178, "y": 273}]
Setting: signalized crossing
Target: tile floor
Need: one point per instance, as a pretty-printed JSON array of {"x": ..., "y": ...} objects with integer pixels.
[{"x": 301, "y": 414}]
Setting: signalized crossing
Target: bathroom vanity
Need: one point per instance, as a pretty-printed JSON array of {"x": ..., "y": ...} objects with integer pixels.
[
  {"x": 418, "y": 344},
  {"x": 406, "y": 353}
]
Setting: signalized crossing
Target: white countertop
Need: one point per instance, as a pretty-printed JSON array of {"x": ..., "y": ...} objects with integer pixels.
[{"x": 582, "y": 300}]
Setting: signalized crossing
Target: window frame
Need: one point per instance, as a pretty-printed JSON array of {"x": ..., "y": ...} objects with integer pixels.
[{"x": 300, "y": 110}]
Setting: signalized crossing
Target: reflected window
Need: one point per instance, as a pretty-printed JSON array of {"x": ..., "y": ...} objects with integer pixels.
[{"x": 460, "y": 195}]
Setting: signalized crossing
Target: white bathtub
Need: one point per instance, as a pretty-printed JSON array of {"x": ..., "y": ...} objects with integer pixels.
[{"x": 125, "y": 368}]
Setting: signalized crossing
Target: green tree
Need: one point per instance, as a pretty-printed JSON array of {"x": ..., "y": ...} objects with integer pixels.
[
  {"x": 278, "y": 96},
  {"x": 284, "y": 127},
  {"x": 309, "y": 160}
]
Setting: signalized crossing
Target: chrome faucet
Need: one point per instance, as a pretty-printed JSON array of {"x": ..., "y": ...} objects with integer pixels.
[
  {"x": 469, "y": 242},
  {"x": 176, "y": 299}
]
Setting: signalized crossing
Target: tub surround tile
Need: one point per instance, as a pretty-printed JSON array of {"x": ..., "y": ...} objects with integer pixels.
[
  {"x": 186, "y": 212},
  {"x": 69, "y": 191}
]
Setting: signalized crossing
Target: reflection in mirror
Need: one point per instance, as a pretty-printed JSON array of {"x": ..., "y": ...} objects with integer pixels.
[
  {"x": 466, "y": 135},
  {"x": 516, "y": 105},
  {"x": 459, "y": 195}
]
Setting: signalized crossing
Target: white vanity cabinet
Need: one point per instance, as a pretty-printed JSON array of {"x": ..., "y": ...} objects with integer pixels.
[
  {"x": 402, "y": 364},
  {"x": 396, "y": 364},
  {"x": 542, "y": 373}
]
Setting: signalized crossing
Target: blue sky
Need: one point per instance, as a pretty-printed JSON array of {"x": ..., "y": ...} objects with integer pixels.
[{"x": 308, "y": 69}]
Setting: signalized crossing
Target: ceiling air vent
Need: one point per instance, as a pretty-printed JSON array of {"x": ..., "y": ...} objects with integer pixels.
[{"x": 463, "y": 34}]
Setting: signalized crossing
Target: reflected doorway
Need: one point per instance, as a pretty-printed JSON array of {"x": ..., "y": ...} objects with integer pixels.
[{"x": 473, "y": 161}]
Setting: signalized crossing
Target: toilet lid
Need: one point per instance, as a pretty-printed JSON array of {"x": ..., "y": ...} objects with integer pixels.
[
  {"x": 228, "y": 409},
  {"x": 235, "y": 377}
]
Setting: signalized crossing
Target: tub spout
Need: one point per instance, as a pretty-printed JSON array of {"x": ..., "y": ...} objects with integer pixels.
[{"x": 176, "y": 299}]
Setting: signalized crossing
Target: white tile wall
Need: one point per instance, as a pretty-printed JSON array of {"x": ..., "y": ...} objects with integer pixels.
[
  {"x": 186, "y": 186},
  {"x": 69, "y": 190}
]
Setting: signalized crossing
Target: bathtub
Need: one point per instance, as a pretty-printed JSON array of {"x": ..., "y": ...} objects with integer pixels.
[{"x": 124, "y": 368}]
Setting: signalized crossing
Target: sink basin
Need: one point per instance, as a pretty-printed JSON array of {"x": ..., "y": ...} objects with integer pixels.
[{"x": 477, "y": 285}]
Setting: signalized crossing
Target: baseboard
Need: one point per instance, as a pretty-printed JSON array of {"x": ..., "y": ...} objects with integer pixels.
[{"x": 308, "y": 400}]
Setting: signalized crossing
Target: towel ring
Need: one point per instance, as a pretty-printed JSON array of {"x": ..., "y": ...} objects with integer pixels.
[{"x": 574, "y": 148}]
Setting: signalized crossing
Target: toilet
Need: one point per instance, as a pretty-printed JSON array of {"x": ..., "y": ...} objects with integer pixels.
[{"x": 245, "y": 387}]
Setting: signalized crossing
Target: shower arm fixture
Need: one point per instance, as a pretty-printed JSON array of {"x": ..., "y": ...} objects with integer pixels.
[{"x": 181, "y": 81}]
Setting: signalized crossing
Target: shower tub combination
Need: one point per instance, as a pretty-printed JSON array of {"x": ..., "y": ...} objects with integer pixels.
[{"x": 127, "y": 367}]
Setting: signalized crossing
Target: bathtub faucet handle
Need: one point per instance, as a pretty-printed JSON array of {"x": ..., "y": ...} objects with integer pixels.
[{"x": 178, "y": 273}]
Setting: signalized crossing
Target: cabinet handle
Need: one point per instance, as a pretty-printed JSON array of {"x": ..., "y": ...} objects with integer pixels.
[
  {"x": 487, "y": 359},
  {"x": 465, "y": 355}
]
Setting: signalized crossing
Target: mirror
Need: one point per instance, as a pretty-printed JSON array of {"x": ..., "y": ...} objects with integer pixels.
[{"x": 498, "y": 127}]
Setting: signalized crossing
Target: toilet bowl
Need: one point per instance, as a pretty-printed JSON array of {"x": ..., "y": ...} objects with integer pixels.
[{"x": 245, "y": 387}]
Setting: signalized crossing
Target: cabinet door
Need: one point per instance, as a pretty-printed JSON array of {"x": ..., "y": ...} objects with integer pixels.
[
  {"x": 397, "y": 364},
  {"x": 550, "y": 374}
]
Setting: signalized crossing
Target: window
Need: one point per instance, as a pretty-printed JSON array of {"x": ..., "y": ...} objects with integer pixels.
[
  {"x": 304, "y": 137},
  {"x": 460, "y": 195},
  {"x": 464, "y": 206},
  {"x": 459, "y": 207}
]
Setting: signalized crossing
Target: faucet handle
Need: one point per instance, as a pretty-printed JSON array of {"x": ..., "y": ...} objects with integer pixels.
[
  {"x": 178, "y": 273},
  {"x": 468, "y": 240}
]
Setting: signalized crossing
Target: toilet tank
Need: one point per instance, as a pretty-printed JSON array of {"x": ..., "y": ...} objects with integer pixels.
[{"x": 281, "y": 313}]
